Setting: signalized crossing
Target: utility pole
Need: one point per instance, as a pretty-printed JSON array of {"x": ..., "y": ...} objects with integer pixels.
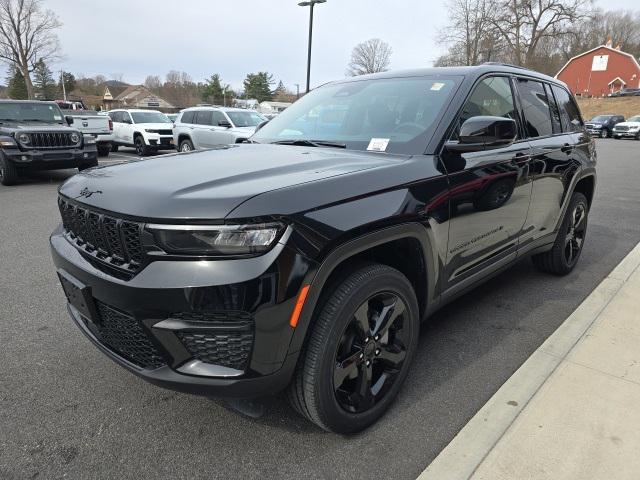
[
  {"x": 64, "y": 90},
  {"x": 310, "y": 4},
  {"x": 297, "y": 90}
]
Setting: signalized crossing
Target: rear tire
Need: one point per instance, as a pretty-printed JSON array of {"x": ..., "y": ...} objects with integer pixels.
[
  {"x": 103, "y": 150},
  {"x": 8, "y": 172},
  {"x": 186, "y": 146},
  {"x": 566, "y": 250},
  {"x": 114, "y": 147},
  {"x": 354, "y": 364}
]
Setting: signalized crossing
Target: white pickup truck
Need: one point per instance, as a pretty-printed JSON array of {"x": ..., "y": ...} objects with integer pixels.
[{"x": 91, "y": 123}]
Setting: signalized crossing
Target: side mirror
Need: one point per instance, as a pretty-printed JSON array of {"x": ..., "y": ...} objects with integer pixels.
[
  {"x": 224, "y": 123},
  {"x": 69, "y": 119},
  {"x": 484, "y": 133}
]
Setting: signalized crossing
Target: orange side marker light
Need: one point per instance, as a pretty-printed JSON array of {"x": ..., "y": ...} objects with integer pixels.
[{"x": 295, "y": 316}]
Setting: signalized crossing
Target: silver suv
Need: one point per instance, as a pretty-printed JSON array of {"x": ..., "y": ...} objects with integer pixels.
[{"x": 203, "y": 127}]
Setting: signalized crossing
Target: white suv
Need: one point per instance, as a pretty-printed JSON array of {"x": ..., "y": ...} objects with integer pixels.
[
  {"x": 146, "y": 130},
  {"x": 207, "y": 127}
]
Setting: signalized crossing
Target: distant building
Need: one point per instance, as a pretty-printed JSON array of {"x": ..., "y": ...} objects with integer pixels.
[
  {"x": 601, "y": 71},
  {"x": 273, "y": 107},
  {"x": 133, "y": 96}
]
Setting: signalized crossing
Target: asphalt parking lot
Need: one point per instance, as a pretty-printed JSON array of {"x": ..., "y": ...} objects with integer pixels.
[{"x": 68, "y": 411}]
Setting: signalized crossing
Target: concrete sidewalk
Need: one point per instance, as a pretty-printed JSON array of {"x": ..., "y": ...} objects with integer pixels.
[{"x": 572, "y": 411}]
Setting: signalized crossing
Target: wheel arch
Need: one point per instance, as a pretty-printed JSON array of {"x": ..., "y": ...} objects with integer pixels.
[{"x": 385, "y": 246}]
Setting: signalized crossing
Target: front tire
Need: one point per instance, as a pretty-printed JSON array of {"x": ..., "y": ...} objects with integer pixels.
[
  {"x": 186, "y": 146},
  {"x": 8, "y": 172},
  {"x": 141, "y": 147},
  {"x": 359, "y": 350},
  {"x": 103, "y": 150},
  {"x": 566, "y": 250},
  {"x": 88, "y": 165}
]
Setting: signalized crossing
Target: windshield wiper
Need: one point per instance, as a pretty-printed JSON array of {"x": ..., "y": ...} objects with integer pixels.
[{"x": 310, "y": 143}]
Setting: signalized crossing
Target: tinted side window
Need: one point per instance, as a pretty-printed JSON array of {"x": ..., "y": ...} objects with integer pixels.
[
  {"x": 187, "y": 117},
  {"x": 492, "y": 97},
  {"x": 116, "y": 116},
  {"x": 218, "y": 117},
  {"x": 569, "y": 113},
  {"x": 555, "y": 112},
  {"x": 535, "y": 107},
  {"x": 203, "y": 117}
]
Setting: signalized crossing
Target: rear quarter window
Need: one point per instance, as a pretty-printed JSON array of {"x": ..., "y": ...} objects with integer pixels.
[{"x": 569, "y": 113}]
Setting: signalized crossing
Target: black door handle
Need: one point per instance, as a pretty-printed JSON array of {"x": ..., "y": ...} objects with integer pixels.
[{"x": 566, "y": 148}]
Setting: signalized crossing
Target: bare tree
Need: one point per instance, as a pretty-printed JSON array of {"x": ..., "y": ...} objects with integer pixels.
[
  {"x": 371, "y": 56},
  {"x": 153, "y": 82},
  {"x": 525, "y": 24},
  {"x": 470, "y": 34},
  {"x": 27, "y": 35}
]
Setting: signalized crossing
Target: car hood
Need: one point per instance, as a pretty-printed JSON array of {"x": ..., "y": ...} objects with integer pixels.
[
  {"x": 628, "y": 124},
  {"x": 209, "y": 184},
  {"x": 35, "y": 126}
]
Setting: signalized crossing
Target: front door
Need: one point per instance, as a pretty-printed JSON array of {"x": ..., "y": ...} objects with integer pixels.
[{"x": 489, "y": 192}]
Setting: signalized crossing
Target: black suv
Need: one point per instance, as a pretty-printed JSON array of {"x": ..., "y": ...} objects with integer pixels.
[
  {"x": 36, "y": 136},
  {"x": 306, "y": 259},
  {"x": 602, "y": 125}
]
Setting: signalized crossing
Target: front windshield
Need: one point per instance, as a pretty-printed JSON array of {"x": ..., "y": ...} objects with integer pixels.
[
  {"x": 634, "y": 119},
  {"x": 246, "y": 119},
  {"x": 600, "y": 118},
  {"x": 149, "y": 117},
  {"x": 30, "y": 111},
  {"x": 396, "y": 115}
]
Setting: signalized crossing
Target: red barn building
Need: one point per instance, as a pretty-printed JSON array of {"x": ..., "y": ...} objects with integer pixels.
[{"x": 601, "y": 71}]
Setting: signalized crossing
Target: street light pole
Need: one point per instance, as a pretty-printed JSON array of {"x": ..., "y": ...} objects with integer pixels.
[{"x": 310, "y": 4}]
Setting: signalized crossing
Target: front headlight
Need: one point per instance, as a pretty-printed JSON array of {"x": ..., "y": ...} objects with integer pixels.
[
  {"x": 89, "y": 139},
  {"x": 216, "y": 239},
  {"x": 24, "y": 138},
  {"x": 75, "y": 138}
]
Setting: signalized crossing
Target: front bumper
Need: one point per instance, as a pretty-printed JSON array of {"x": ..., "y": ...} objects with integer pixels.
[
  {"x": 595, "y": 131},
  {"x": 628, "y": 133},
  {"x": 161, "y": 142},
  {"x": 52, "y": 159},
  {"x": 177, "y": 305}
]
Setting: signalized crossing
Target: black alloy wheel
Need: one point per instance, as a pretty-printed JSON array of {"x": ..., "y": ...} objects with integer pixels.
[
  {"x": 359, "y": 349},
  {"x": 141, "y": 147},
  {"x": 371, "y": 352},
  {"x": 566, "y": 250},
  {"x": 574, "y": 238}
]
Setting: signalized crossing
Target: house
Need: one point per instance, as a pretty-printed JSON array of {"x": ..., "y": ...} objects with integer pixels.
[
  {"x": 273, "y": 107},
  {"x": 251, "y": 104},
  {"x": 601, "y": 71},
  {"x": 133, "y": 96}
]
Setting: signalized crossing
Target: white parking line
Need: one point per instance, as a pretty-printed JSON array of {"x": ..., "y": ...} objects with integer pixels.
[{"x": 460, "y": 459}]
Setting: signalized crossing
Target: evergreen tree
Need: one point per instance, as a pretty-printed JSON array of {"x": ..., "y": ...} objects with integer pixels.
[
  {"x": 213, "y": 92},
  {"x": 258, "y": 86},
  {"x": 16, "y": 86},
  {"x": 43, "y": 80},
  {"x": 69, "y": 83}
]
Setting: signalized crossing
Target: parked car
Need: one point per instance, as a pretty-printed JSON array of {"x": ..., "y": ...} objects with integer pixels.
[
  {"x": 98, "y": 126},
  {"x": 34, "y": 135},
  {"x": 306, "y": 259},
  {"x": 71, "y": 105},
  {"x": 146, "y": 130},
  {"x": 602, "y": 125},
  {"x": 630, "y": 92},
  {"x": 629, "y": 129},
  {"x": 203, "y": 127}
]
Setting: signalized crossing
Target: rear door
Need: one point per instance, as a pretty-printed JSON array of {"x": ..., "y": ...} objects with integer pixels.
[
  {"x": 489, "y": 191},
  {"x": 220, "y": 135},
  {"x": 553, "y": 164},
  {"x": 116, "y": 118}
]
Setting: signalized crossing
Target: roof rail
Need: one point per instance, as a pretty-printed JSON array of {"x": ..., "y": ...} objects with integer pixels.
[{"x": 503, "y": 64}]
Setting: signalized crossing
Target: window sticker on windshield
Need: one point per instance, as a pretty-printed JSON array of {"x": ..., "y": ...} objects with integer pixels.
[
  {"x": 437, "y": 86},
  {"x": 378, "y": 144}
]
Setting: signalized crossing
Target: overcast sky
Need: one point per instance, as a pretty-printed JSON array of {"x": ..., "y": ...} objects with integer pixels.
[{"x": 136, "y": 38}]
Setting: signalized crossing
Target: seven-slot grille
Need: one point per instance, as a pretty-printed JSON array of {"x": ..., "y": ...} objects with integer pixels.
[
  {"x": 109, "y": 239},
  {"x": 47, "y": 140}
]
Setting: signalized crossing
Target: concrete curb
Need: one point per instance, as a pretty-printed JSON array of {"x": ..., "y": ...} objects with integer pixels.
[{"x": 460, "y": 459}]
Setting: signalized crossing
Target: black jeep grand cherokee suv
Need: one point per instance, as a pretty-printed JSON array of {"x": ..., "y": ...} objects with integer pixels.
[
  {"x": 307, "y": 259},
  {"x": 35, "y": 136}
]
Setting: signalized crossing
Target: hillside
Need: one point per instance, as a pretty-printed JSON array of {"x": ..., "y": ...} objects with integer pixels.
[{"x": 627, "y": 106}]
